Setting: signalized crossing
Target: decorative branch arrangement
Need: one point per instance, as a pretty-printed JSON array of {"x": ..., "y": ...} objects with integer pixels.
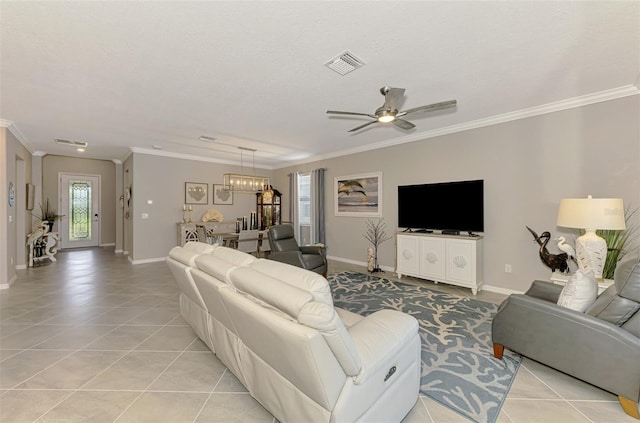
[{"x": 376, "y": 235}]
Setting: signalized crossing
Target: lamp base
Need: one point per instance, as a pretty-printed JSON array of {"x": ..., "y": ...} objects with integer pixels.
[{"x": 591, "y": 252}]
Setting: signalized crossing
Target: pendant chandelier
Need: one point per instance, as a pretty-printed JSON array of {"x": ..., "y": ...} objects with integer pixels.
[{"x": 241, "y": 182}]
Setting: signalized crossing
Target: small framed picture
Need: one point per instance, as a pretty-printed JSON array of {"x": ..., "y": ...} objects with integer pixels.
[
  {"x": 196, "y": 193},
  {"x": 222, "y": 196}
]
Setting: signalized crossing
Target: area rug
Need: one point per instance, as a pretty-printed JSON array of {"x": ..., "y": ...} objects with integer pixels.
[{"x": 458, "y": 367}]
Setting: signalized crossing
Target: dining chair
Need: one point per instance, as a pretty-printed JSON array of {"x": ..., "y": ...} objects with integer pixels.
[{"x": 248, "y": 241}]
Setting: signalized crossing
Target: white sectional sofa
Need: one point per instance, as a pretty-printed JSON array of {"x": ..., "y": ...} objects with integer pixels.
[{"x": 275, "y": 327}]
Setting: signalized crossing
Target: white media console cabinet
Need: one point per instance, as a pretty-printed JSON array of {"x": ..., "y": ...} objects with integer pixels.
[{"x": 452, "y": 259}]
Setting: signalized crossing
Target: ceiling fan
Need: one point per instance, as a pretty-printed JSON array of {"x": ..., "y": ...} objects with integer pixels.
[{"x": 388, "y": 112}]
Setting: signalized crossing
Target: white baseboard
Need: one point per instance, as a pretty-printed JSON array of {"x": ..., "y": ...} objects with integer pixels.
[
  {"x": 151, "y": 260},
  {"x": 125, "y": 252},
  {"x": 21, "y": 266},
  {"x": 500, "y": 290},
  {"x": 359, "y": 263},
  {"x": 118, "y": 252},
  {"x": 109, "y": 244},
  {"x": 8, "y": 284},
  {"x": 490, "y": 288}
]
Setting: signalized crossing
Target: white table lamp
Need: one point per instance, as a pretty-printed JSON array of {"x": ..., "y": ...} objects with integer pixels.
[{"x": 591, "y": 214}]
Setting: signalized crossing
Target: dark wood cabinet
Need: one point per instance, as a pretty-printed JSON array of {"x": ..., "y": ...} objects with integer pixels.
[{"x": 269, "y": 207}]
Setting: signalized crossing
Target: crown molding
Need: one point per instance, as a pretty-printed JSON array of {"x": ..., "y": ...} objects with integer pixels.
[
  {"x": 571, "y": 103},
  {"x": 11, "y": 126},
  {"x": 190, "y": 157}
]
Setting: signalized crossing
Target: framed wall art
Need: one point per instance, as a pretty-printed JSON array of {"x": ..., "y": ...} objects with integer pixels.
[
  {"x": 221, "y": 196},
  {"x": 31, "y": 196},
  {"x": 196, "y": 193},
  {"x": 358, "y": 195}
]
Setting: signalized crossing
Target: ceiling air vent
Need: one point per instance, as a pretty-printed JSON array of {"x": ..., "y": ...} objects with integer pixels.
[
  {"x": 344, "y": 63},
  {"x": 71, "y": 143}
]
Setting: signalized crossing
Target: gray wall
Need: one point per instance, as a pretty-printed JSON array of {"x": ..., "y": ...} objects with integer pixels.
[
  {"x": 16, "y": 165},
  {"x": 162, "y": 180},
  {"x": 53, "y": 165},
  {"x": 528, "y": 165}
]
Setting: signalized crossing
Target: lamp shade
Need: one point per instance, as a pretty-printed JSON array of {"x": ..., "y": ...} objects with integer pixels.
[{"x": 591, "y": 213}]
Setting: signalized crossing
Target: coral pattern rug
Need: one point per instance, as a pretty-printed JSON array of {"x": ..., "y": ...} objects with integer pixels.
[{"x": 458, "y": 367}]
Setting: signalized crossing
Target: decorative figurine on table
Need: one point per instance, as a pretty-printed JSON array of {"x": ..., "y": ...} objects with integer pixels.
[{"x": 552, "y": 261}]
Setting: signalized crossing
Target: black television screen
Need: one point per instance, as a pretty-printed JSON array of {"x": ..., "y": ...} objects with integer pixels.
[{"x": 453, "y": 206}]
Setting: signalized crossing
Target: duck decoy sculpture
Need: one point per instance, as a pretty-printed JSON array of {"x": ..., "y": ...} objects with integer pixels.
[{"x": 552, "y": 261}]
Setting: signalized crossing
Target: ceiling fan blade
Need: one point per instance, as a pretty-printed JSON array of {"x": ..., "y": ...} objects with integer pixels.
[
  {"x": 337, "y": 112},
  {"x": 392, "y": 97},
  {"x": 430, "y": 107},
  {"x": 363, "y": 126},
  {"x": 404, "y": 124}
]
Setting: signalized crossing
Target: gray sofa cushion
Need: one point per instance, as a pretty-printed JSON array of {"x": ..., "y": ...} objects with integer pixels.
[{"x": 621, "y": 301}]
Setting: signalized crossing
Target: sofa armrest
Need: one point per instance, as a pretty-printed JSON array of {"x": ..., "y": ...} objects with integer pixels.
[
  {"x": 293, "y": 258},
  {"x": 312, "y": 249},
  {"x": 545, "y": 291},
  {"x": 581, "y": 345},
  {"x": 379, "y": 338}
]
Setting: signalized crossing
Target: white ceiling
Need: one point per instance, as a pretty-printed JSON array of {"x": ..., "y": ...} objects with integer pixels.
[{"x": 130, "y": 75}]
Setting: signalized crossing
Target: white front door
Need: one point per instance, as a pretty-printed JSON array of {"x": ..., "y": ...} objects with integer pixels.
[{"x": 80, "y": 206}]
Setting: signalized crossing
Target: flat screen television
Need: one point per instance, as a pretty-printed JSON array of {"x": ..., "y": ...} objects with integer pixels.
[{"x": 447, "y": 206}]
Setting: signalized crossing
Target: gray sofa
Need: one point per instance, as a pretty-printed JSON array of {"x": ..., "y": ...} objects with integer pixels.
[{"x": 600, "y": 346}]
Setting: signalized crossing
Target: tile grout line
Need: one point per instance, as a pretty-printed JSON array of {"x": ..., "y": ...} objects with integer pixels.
[
  {"x": 73, "y": 391},
  {"x": 156, "y": 378}
]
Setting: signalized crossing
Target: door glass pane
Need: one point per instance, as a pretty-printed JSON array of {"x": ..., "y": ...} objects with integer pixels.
[{"x": 80, "y": 210}]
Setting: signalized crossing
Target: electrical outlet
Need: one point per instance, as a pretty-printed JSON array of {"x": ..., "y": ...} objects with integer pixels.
[
  {"x": 507, "y": 268},
  {"x": 144, "y": 216}
]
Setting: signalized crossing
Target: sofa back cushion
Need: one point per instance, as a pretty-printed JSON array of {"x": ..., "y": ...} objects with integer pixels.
[
  {"x": 180, "y": 261},
  {"x": 627, "y": 278},
  {"x": 619, "y": 303},
  {"x": 221, "y": 261},
  {"x": 296, "y": 304},
  {"x": 274, "y": 345},
  {"x": 298, "y": 277},
  {"x": 270, "y": 292},
  {"x": 187, "y": 254}
]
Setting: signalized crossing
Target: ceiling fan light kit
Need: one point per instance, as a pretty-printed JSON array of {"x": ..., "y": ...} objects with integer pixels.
[{"x": 388, "y": 112}]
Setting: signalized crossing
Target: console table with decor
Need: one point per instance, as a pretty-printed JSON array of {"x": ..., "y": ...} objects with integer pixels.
[
  {"x": 452, "y": 259},
  {"x": 43, "y": 247},
  {"x": 200, "y": 231}
]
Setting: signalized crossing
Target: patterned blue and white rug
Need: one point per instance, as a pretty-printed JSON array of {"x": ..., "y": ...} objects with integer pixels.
[{"x": 458, "y": 367}]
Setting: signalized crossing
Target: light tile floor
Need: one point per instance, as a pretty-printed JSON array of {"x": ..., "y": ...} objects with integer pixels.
[{"x": 93, "y": 338}]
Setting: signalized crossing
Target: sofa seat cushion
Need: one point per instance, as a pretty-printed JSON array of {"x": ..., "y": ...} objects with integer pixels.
[{"x": 580, "y": 291}]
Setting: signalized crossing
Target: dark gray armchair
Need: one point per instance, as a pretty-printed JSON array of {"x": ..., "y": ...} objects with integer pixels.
[
  {"x": 284, "y": 248},
  {"x": 600, "y": 346}
]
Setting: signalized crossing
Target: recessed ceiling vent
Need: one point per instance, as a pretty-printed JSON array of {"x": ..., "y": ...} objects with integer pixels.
[
  {"x": 346, "y": 62},
  {"x": 71, "y": 143}
]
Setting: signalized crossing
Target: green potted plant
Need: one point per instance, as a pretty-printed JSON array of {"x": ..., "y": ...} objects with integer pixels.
[
  {"x": 616, "y": 243},
  {"x": 48, "y": 214}
]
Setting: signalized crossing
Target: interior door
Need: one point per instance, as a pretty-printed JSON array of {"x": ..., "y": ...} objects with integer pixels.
[{"x": 80, "y": 205}]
